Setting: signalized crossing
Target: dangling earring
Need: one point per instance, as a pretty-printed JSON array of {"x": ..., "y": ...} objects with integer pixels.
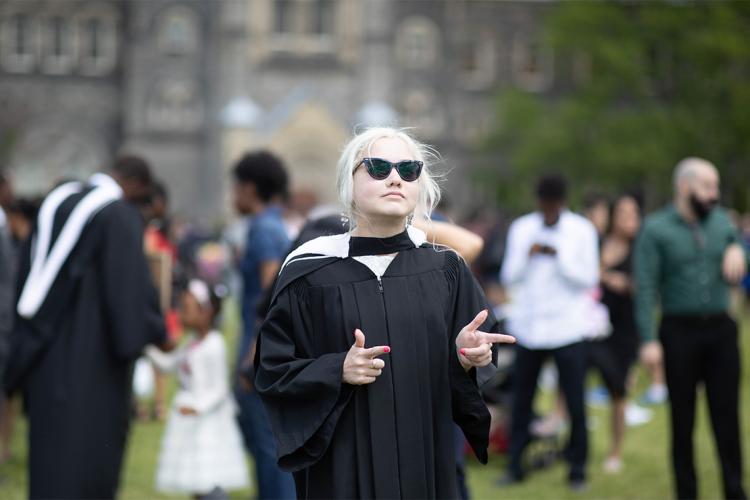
[{"x": 409, "y": 219}]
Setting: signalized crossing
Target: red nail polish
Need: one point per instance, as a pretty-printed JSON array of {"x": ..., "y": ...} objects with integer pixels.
[
  {"x": 386, "y": 349},
  {"x": 462, "y": 351}
]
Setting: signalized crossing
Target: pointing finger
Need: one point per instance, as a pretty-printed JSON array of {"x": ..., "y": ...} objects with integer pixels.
[
  {"x": 374, "y": 352},
  {"x": 495, "y": 338}
]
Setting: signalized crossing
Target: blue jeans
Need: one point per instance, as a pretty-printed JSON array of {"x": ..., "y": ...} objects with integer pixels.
[{"x": 273, "y": 483}]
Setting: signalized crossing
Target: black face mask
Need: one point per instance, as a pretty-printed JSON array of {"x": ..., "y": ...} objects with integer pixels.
[{"x": 702, "y": 208}]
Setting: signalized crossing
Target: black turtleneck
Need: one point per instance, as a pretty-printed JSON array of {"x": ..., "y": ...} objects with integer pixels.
[{"x": 362, "y": 245}]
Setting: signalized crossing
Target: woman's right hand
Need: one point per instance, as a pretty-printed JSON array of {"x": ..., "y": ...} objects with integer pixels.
[{"x": 361, "y": 365}]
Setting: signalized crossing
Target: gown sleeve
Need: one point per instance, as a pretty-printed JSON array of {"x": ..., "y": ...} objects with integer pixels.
[
  {"x": 129, "y": 297},
  {"x": 469, "y": 409},
  {"x": 304, "y": 395}
]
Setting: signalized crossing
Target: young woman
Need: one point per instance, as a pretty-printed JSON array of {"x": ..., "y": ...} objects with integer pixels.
[
  {"x": 202, "y": 447},
  {"x": 615, "y": 355},
  {"x": 376, "y": 341}
]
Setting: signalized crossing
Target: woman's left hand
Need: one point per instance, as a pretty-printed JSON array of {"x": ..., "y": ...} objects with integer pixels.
[{"x": 474, "y": 347}]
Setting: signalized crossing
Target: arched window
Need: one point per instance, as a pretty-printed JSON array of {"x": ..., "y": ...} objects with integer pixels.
[
  {"x": 174, "y": 106},
  {"x": 304, "y": 27},
  {"x": 417, "y": 43},
  {"x": 97, "y": 42},
  {"x": 422, "y": 111},
  {"x": 532, "y": 64},
  {"x": 57, "y": 44},
  {"x": 18, "y": 43},
  {"x": 302, "y": 17},
  {"x": 477, "y": 62},
  {"x": 178, "y": 31}
]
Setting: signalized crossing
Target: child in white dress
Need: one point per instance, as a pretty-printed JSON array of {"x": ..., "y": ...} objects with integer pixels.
[{"x": 202, "y": 447}]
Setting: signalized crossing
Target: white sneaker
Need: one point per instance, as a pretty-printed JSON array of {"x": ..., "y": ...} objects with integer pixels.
[
  {"x": 637, "y": 415},
  {"x": 613, "y": 465}
]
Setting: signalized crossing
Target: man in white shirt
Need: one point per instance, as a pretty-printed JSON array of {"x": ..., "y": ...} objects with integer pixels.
[{"x": 551, "y": 264}]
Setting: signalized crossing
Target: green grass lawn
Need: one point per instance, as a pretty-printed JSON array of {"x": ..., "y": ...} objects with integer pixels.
[{"x": 646, "y": 475}]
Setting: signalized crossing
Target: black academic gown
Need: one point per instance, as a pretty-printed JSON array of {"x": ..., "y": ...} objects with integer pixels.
[
  {"x": 392, "y": 438},
  {"x": 73, "y": 359}
]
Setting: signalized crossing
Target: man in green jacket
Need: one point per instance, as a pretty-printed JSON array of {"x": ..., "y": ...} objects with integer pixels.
[{"x": 687, "y": 257}]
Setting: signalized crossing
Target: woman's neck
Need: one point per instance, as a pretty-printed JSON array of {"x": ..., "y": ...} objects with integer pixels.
[{"x": 384, "y": 227}]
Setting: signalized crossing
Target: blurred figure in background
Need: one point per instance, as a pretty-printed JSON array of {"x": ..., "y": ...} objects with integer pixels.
[
  {"x": 20, "y": 214},
  {"x": 201, "y": 451},
  {"x": 260, "y": 186},
  {"x": 614, "y": 355},
  {"x": 551, "y": 263},
  {"x": 7, "y": 286},
  {"x": 86, "y": 310},
  {"x": 745, "y": 227},
  {"x": 596, "y": 209},
  {"x": 158, "y": 241},
  {"x": 686, "y": 258}
]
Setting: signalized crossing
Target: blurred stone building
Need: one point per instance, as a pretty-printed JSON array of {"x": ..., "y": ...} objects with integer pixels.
[{"x": 191, "y": 84}]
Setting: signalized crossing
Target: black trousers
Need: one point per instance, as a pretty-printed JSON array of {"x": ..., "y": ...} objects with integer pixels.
[
  {"x": 571, "y": 365},
  {"x": 703, "y": 349}
]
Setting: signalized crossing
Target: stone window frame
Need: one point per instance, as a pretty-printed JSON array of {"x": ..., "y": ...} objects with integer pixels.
[
  {"x": 109, "y": 44},
  {"x": 298, "y": 38},
  {"x": 539, "y": 80},
  {"x": 52, "y": 63},
  {"x": 422, "y": 109},
  {"x": 484, "y": 50},
  {"x": 407, "y": 42},
  {"x": 167, "y": 111},
  {"x": 180, "y": 13},
  {"x": 12, "y": 61}
]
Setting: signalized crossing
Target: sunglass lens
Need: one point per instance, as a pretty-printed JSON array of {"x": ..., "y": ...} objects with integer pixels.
[
  {"x": 378, "y": 169},
  {"x": 409, "y": 170}
]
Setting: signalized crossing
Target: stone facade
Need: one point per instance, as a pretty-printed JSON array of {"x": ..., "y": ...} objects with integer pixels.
[{"x": 192, "y": 84}]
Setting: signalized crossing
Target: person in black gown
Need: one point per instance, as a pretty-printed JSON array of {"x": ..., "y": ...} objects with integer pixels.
[
  {"x": 86, "y": 309},
  {"x": 376, "y": 341}
]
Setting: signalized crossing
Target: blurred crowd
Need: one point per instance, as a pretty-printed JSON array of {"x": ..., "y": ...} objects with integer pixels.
[{"x": 580, "y": 291}]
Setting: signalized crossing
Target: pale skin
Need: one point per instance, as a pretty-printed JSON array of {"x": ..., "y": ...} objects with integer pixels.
[
  {"x": 467, "y": 244},
  {"x": 382, "y": 207},
  {"x": 703, "y": 182}
]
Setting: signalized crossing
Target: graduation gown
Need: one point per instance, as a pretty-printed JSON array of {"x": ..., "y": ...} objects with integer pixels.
[
  {"x": 73, "y": 358},
  {"x": 392, "y": 438}
]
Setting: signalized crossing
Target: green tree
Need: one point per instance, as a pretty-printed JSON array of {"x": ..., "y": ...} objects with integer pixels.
[{"x": 666, "y": 80}]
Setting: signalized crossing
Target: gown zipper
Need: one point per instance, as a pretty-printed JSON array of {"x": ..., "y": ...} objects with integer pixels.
[{"x": 393, "y": 385}]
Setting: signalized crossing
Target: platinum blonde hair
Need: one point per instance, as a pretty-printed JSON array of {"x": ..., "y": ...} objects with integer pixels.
[{"x": 359, "y": 146}]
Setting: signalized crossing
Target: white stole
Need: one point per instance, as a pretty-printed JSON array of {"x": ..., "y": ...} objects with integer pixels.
[{"x": 46, "y": 263}]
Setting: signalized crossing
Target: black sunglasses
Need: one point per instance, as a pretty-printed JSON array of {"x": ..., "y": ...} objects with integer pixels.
[{"x": 380, "y": 169}]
